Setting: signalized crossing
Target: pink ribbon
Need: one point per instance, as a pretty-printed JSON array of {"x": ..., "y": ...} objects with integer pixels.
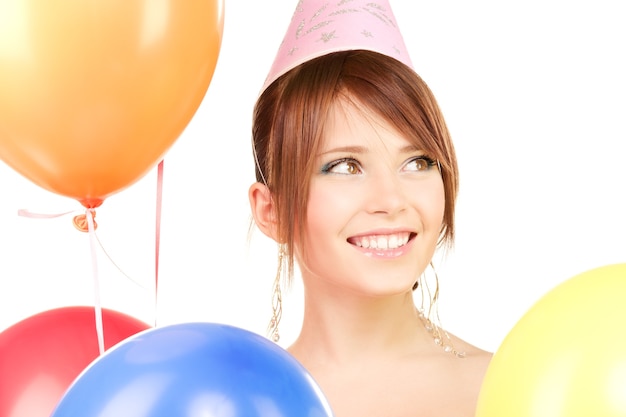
[{"x": 86, "y": 223}]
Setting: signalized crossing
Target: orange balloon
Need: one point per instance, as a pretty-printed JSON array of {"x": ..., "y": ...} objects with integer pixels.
[{"x": 94, "y": 93}]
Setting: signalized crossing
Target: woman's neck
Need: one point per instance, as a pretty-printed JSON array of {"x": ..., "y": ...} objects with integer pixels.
[{"x": 353, "y": 329}]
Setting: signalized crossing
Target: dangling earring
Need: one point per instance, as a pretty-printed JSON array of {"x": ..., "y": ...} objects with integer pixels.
[
  {"x": 431, "y": 319},
  {"x": 277, "y": 301}
]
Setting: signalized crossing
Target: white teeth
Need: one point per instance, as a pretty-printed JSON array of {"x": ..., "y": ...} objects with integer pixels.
[{"x": 392, "y": 241}]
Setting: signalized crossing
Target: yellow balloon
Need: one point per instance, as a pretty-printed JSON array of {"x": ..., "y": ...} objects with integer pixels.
[{"x": 566, "y": 357}]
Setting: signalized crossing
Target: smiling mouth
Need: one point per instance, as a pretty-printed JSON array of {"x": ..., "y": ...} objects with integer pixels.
[{"x": 390, "y": 241}]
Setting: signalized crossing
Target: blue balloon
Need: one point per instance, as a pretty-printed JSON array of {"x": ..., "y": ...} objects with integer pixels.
[{"x": 194, "y": 370}]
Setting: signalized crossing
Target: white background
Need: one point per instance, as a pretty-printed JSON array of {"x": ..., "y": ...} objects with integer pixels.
[{"x": 534, "y": 95}]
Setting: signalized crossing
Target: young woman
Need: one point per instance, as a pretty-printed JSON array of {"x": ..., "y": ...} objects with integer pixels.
[{"x": 356, "y": 181}]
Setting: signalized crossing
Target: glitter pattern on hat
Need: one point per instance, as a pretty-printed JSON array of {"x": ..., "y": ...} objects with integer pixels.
[{"x": 319, "y": 27}]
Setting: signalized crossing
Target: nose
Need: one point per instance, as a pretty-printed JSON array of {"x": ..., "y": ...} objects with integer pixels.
[{"x": 387, "y": 194}]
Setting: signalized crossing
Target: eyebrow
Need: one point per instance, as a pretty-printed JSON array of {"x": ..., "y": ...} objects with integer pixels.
[
  {"x": 346, "y": 149},
  {"x": 361, "y": 149}
]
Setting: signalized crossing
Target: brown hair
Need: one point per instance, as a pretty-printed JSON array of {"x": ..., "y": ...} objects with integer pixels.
[{"x": 289, "y": 119}]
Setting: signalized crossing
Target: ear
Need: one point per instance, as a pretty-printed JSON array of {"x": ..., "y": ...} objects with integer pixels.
[{"x": 262, "y": 207}]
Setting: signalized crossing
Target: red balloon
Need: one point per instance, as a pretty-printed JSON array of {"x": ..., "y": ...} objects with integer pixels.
[{"x": 42, "y": 355}]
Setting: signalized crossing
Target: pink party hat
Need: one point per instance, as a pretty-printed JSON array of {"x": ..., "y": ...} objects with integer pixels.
[{"x": 319, "y": 27}]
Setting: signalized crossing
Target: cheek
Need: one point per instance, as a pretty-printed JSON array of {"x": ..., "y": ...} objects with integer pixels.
[
  {"x": 329, "y": 200},
  {"x": 433, "y": 204},
  {"x": 317, "y": 227},
  {"x": 329, "y": 208},
  {"x": 441, "y": 199},
  {"x": 322, "y": 202}
]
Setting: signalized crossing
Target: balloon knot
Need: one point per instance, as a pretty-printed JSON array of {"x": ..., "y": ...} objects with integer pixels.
[{"x": 82, "y": 224}]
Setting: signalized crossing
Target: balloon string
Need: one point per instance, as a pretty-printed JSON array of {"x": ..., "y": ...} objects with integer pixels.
[
  {"x": 80, "y": 222},
  {"x": 121, "y": 271},
  {"x": 94, "y": 266},
  {"x": 30, "y": 214},
  {"x": 157, "y": 240}
]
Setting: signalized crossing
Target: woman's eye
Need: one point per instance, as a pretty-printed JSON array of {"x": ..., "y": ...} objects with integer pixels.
[
  {"x": 419, "y": 164},
  {"x": 344, "y": 166}
]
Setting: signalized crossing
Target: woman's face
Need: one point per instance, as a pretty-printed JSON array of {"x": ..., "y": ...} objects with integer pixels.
[{"x": 375, "y": 209}]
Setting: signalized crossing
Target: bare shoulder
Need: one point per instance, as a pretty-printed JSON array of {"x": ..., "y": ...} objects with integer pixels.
[
  {"x": 449, "y": 385},
  {"x": 474, "y": 366},
  {"x": 475, "y": 361},
  {"x": 477, "y": 358},
  {"x": 469, "y": 374}
]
